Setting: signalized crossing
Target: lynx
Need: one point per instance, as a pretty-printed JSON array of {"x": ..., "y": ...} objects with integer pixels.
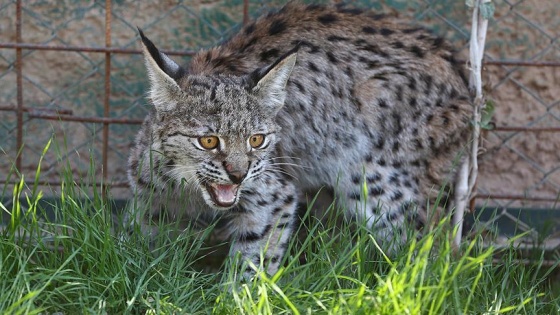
[{"x": 304, "y": 98}]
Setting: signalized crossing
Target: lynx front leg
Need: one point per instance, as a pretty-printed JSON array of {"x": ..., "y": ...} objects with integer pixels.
[{"x": 264, "y": 223}]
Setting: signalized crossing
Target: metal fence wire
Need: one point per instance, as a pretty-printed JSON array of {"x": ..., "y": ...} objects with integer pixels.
[{"x": 72, "y": 69}]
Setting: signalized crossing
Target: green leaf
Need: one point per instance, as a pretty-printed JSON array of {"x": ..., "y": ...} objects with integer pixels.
[{"x": 487, "y": 114}]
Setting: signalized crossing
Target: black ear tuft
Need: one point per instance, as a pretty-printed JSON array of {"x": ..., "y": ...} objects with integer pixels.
[
  {"x": 269, "y": 83},
  {"x": 255, "y": 76},
  {"x": 164, "y": 63},
  {"x": 152, "y": 49}
]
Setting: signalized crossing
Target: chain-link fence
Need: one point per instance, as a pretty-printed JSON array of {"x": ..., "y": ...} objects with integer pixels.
[{"x": 72, "y": 70}]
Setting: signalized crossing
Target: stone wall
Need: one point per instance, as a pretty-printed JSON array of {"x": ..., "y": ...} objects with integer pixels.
[{"x": 519, "y": 163}]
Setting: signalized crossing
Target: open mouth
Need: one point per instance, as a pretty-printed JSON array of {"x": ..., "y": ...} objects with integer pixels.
[{"x": 222, "y": 195}]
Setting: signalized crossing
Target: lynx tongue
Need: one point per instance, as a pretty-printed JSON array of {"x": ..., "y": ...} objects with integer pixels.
[{"x": 223, "y": 195}]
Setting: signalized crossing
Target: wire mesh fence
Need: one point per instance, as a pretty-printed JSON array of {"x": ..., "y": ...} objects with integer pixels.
[{"x": 72, "y": 70}]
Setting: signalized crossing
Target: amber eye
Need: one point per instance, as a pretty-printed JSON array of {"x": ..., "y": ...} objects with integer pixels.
[
  {"x": 256, "y": 141},
  {"x": 209, "y": 143}
]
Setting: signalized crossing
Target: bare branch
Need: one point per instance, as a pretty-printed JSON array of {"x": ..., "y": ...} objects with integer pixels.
[{"x": 468, "y": 170}]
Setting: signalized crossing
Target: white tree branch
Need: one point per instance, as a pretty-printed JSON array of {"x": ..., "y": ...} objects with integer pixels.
[{"x": 468, "y": 170}]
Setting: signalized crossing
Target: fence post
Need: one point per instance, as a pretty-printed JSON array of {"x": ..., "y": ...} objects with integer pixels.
[{"x": 106, "y": 98}]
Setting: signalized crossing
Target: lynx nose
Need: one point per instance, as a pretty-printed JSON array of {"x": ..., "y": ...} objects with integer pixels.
[{"x": 236, "y": 175}]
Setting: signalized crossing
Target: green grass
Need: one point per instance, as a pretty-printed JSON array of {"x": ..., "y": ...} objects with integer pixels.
[{"x": 76, "y": 264}]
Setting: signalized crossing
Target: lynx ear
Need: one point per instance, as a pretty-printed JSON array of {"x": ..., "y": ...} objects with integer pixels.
[
  {"x": 269, "y": 83},
  {"x": 163, "y": 73}
]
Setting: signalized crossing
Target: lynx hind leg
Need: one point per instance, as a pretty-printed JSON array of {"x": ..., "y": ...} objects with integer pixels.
[
  {"x": 386, "y": 198},
  {"x": 264, "y": 223}
]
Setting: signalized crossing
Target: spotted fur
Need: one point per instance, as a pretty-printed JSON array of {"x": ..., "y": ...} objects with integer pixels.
[{"x": 371, "y": 108}]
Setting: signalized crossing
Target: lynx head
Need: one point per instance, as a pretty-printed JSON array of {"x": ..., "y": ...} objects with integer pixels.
[{"x": 216, "y": 131}]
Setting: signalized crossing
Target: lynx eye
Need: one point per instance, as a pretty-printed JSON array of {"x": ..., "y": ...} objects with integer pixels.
[
  {"x": 256, "y": 141},
  {"x": 209, "y": 143}
]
